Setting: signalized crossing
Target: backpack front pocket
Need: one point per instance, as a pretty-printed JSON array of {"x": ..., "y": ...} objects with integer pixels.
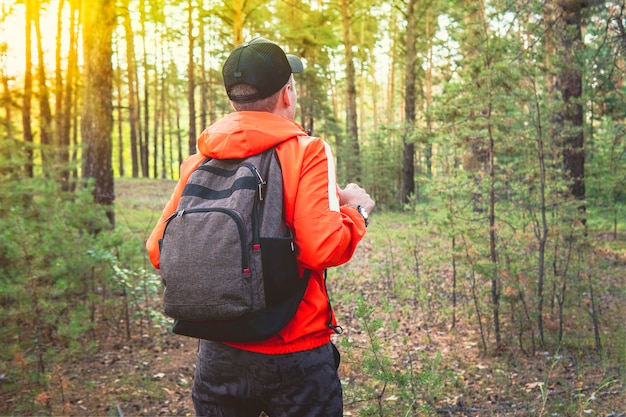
[{"x": 214, "y": 278}]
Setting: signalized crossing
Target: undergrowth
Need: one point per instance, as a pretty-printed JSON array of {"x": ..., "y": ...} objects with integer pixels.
[
  {"x": 68, "y": 282},
  {"x": 414, "y": 302}
]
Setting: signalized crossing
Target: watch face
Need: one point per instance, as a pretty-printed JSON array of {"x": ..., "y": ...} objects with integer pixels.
[{"x": 363, "y": 212}]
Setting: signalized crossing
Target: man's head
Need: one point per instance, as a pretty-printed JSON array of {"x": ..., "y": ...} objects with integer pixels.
[{"x": 256, "y": 70}]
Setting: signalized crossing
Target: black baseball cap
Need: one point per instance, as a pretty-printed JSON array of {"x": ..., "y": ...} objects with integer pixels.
[{"x": 261, "y": 64}]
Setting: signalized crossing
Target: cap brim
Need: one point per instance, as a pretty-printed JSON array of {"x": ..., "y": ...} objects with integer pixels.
[{"x": 295, "y": 63}]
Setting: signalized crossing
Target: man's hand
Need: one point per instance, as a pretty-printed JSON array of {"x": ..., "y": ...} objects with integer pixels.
[{"x": 353, "y": 194}]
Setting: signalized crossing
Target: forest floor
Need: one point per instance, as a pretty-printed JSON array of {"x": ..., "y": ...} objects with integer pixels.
[
  {"x": 151, "y": 373},
  {"x": 153, "y": 377}
]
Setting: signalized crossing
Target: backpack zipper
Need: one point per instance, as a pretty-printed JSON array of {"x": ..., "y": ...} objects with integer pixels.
[
  {"x": 255, "y": 209},
  {"x": 259, "y": 179}
]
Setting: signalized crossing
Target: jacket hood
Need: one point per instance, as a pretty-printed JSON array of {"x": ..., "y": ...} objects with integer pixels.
[{"x": 246, "y": 133}]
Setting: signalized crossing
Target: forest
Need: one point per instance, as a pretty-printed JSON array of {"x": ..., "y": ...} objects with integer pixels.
[{"x": 492, "y": 280}]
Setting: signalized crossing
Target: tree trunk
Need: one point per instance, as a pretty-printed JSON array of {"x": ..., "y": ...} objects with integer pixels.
[
  {"x": 408, "y": 151},
  {"x": 133, "y": 106},
  {"x": 391, "y": 90},
  {"x": 493, "y": 254},
  {"x": 28, "y": 90},
  {"x": 362, "y": 80},
  {"x": 429, "y": 95},
  {"x": 45, "y": 120},
  {"x": 6, "y": 103},
  {"x": 157, "y": 121},
  {"x": 238, "y": 21},
  {"x": 7, "y": 169},
  {"x": 163, "y": 120},
  {"x": 74, "y": 134},
  {"x": 179, "y": 137},
  {"x": 204, "y": 85},
  {"x": 191, "y": 80},
  {"x": 542, "y": 228},
  {"x": 570, "y": 84},
  {"x": 70, "y": 92},
  {"x": 120, "y": 117},
  {"x": 60, "y": 150},
  {"x": 374, "y": 86},
  {"x": 144, "y": 148},
  {"x": 353, "y": 158},
  {"x": 159, "y": 92},
  {"x": 97, "y": 111}
]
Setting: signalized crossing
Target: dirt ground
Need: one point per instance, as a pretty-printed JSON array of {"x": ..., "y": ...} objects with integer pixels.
[{"x": 153, "y": 377}]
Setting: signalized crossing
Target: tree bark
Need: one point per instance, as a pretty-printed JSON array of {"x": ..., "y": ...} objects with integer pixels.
[
  {"x": 7, "y": 104},
  {"x": 570, "y": 84},
  {"x": 157, "y": 120},
  {"x": 45, "y": 119},
  {"x": 238, "y": 21},
  {"x": 204, "y": 85},
  {"x": 191, "y": 82},
  {"x": 28, "y": 90},
  {"x": 144, "y": 148},
  {"x": 120, "y": 117},
  {"x": 353, "y": 160},
  {"x": 390, "y": 109},
  {"x": 133, "y": 106},
  {"x": 408, "y": 150},
  {"x": 97, "y": 108},
  {"x": 70, "y": 92},
  {"x": 159, "y": 109},
  {"x": 60, "y": 150},
  {"x": 430, "y": 25}
]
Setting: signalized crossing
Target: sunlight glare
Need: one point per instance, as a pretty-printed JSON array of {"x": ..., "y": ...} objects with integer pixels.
[{"x": 12, "y": 33}]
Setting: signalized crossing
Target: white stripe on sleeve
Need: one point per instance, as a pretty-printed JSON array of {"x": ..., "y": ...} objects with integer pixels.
[{"x": 333, "y": 199}]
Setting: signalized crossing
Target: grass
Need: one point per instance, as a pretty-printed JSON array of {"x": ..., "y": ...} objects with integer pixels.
[{"x": 139, "y": 203}]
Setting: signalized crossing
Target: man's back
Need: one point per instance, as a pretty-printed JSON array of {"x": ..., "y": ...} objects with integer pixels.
[{"x": 294, "y": 372}]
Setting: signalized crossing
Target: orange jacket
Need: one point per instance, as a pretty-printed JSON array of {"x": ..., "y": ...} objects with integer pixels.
[{"x": 325, "y": 234}]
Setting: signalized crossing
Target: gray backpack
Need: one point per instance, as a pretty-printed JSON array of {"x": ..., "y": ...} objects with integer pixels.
[{"x": 227, "y": 257}]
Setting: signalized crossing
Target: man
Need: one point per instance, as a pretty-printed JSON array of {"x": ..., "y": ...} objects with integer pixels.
[{"x": 294, "y": 373}]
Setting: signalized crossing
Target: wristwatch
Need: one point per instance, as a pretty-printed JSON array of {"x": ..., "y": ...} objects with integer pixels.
[{"x": 363, "y": 212}]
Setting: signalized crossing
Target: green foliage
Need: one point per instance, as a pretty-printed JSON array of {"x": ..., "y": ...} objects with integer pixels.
[
  {"x": 382, "y": 167},
  {"x": 606, "y": 183},
  {"x": 60, "y": 280},
  {"x": 396, "y": 363},
  {"x": 401, "y": 386}
]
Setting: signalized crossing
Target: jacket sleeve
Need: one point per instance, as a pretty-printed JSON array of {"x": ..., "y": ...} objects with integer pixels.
[
  {"x": 326, "y": 234},
  {"x": 152, "y": 244}
]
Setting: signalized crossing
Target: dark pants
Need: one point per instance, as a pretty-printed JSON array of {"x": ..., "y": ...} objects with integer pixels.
[{"x": 231, "y": 382}]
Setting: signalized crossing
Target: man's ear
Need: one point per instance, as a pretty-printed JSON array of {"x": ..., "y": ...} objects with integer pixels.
[{"x": 286, "y": 99}]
